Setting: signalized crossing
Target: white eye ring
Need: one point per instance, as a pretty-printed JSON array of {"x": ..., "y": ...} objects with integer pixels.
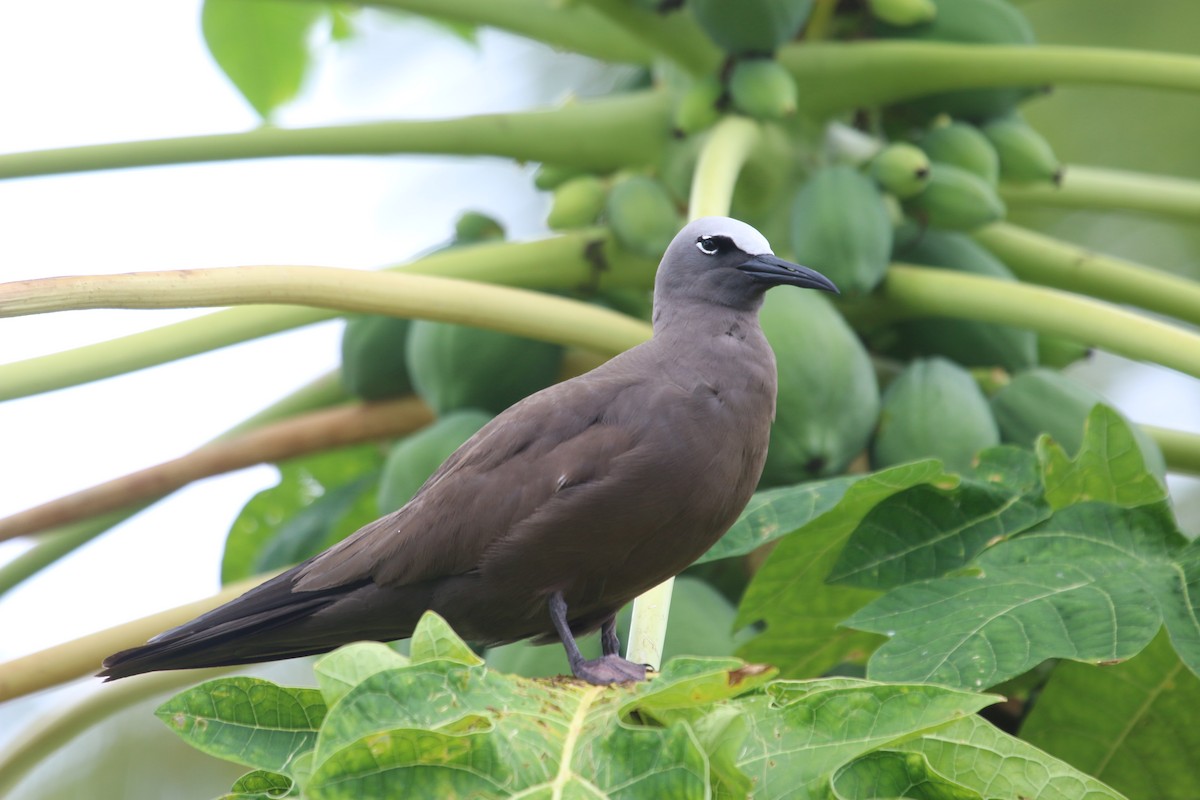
[{"x": 707, "y": 245}]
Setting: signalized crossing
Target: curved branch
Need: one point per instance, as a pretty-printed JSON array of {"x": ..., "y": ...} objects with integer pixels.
[
  {"x": 676, "y": 36},
  {"x": 1100, "y": 189},
  {"x": 1043, "y": 259},
  {"x": 602, "y": 135},
  {"x": 842, "y": 76}
]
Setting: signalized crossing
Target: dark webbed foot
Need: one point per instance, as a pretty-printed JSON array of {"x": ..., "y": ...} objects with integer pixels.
[{"x": 609, "y": 669}]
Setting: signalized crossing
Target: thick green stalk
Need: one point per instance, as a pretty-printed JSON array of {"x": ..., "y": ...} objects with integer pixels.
[
  {"x": 721, "y": 159},
  {"x": 1180, "y": 449},
  {"x": 1099, "y": 189},
  {"x": 921, "y": 291},
  {"x": 604, "y": 134},
  {"x": 562, "y": 262},
  {"x": 1042, "y": 259},
  {"x": 563, "y": 25},
  {"x": 54, "y": 544},
  {"x": 676, "y": 36},
  {"x": 839, "y": 76}
]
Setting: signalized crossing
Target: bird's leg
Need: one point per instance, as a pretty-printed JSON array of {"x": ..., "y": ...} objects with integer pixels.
[
  {"x": 610, "y": 645},
  {"x": 609, "y": 668}
]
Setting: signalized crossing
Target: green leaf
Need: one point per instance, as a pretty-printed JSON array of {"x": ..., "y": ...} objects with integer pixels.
[
  {"x": 247, "y": 720},
  {"x": 349, "y": 666},
  {"x": 261, "y": 785},
  {"x": 434, "y": 640},
  {"x": 925, "y": 532},
  {"x": 319, "y": 500},
  {"x": 802, "y": 732},
  {"x": 889, "y": 773},
  {"x": 262, "y": 46},
  {"x": 1109, "y": 466},
  {"x": 1085, "y": 584},
  {"x": 974, "y": 754},
  {"x": 789, "y": 593},
  {"x": 1132, "y": 725}
]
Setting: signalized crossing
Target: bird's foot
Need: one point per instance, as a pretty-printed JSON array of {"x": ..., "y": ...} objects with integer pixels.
[{"x": 609, "y": 669}]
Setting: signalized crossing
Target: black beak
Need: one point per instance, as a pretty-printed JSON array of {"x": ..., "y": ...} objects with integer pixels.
[{"x": 775, "y": 271}]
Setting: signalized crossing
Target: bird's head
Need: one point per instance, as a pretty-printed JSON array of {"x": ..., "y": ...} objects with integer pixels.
[{"x": 726, "y": 262}]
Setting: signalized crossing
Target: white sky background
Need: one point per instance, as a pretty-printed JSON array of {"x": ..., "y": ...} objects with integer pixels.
[{"x": 84, "y": 73}]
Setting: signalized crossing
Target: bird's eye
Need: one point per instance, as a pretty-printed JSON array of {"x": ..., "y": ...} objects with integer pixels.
[{"x": 708, "y": 245}]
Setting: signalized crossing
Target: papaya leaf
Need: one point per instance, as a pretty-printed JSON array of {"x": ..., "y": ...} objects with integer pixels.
[
  {"x": 973, "y": 753},
  {"x": 1091, "y": 583},
  {"x": 1006, "y": 467},
  {"x": 890, "y": 773},
  {"x": 262, "y": 46},
  {"x": 1131, "y": 725},
  {"x": 348, "y": 666},
  {"x": 803, "y": 732},
  {"x": 789, "y": 593},
  {"x": 925, "y": 532},
  {"x": 261, "y": 785},
  {"x": 248, "y": 721},
  {"x": 1108, "y": 467},
  {"x": 319, "y": 500},
  {"x": 434, "y": 640}
]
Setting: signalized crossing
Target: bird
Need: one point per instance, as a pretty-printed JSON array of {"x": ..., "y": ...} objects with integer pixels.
[{"x": 560, "y": 510}]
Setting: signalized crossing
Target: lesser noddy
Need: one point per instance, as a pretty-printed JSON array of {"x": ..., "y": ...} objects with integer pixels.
[{"x": 560, "y": 510}]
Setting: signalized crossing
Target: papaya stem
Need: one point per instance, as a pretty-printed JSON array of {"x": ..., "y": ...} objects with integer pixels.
[
  {"x": 842, "y": 76},
  {"x": 722, "y": 157},
  {"x": 560, "y": 262},
  {"x": 1042, "y": 259},
  {"x": 603, "y": 134},
  {"x": 1180, "y": 449},
  {"x": 1100, "y": 189},
  {"x": 920, "y": 291},
  {"x": 676, "y": 36},
  {"x": 567, "y": 26}
]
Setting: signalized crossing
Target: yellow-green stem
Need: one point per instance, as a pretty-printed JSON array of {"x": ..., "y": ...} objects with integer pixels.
[
  {"x": 605, "y": 134},
  {"x": 676, "y": 36},
  {"x": 1099, "y": 189},
  {"x": 922, "y": 291},
  {"x": 1180, "y": 449},
  {"x": 721, "y": 159},
  {"x": 839, "y": 76},
  {"x": 1042, "y": 259}
]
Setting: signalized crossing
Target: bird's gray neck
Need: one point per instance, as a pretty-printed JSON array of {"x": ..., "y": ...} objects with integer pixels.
[{"x": 697, "y": 321}]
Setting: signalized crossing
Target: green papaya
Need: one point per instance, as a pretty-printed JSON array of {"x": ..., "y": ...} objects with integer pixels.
[
  {"x": 902, "y": 169},
  {"x": 550, "y": 176},
  {"x": 970, "y": 343},
  {"x": 373, "y": 357},
  {"x": 697, "y": 108},
  {"x": 577, "y": 203},
  {"x": 969, "y": 22},
  {"x": 473, "y": 227},
  {"x": 457, "y": 366},
  {"x": 840, "y": 227},
  {"x": 642, "y": 215},
  {"x": 933, "y": 409},
  {"x": 1057, "y": 352},
  {"x": 964, "y": 146},
  {"x": 762, "y": 88},
  {"x": 415, "y": 457},
  {"x": 828, "y": 398},
  {"x": 751, "y": 26},
  {"x": 1046, "y": 401},
  {"x": 1025, "y": 155},
  {"x": 956, "y": 199},
  {"x": 902, "y": 12}
]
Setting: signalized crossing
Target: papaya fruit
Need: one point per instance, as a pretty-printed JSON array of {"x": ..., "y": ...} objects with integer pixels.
[
  {"x": 902, "y": 169},
  {"x": 550, "y": 176},
  {"x": 962, "y": 145},
  {"x": 1025, "y": 155},
  {"x": 969, "y": 22},
  {"x": 1046, "y": 401},
  {"x": 751, "y": 26},
  {"x": 577, "y": 203},
  {"x": 473, "y": 227},
  {"x": 933, "y": 409},
  {"x": 374, "y": 363},
  {"x": 956, "y": 199},
  {"x": 840, "y": 227},
  {"x": 970, "y": 343},
  {"x": 1056, "y": 352},
  {"x": 697, "y": 108},
  {"x": 414, "y": 458},
  {"x": 902, "y": 12},
  {"x": 458, "y": 366},
  {"x": 762, "y": 88},
  {"x": 642, "y": 215},
  {"x": 828, "y": 398}
]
